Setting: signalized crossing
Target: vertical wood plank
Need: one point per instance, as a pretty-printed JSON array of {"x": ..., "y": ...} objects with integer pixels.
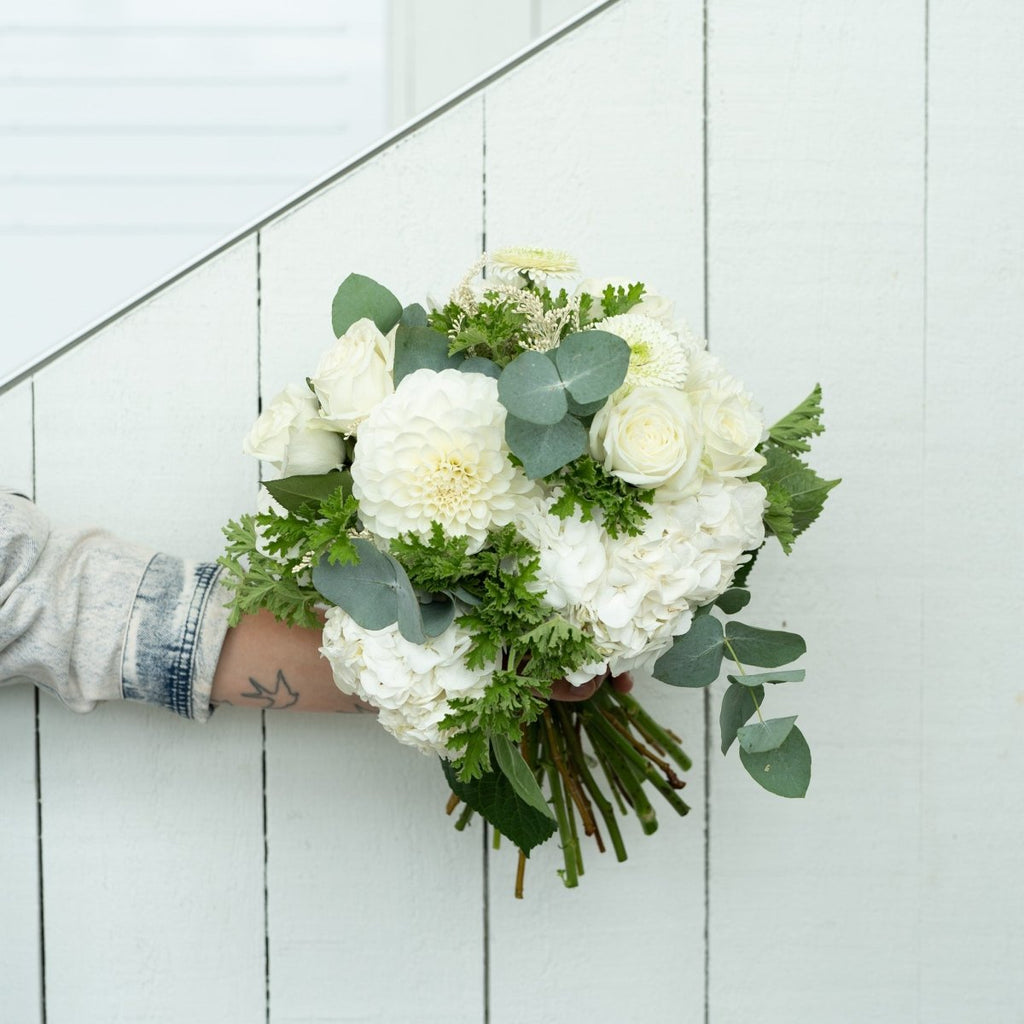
[
  {"x": 365, "y": 872},
  {"x": 625, "y": 203},
  {"x": 815, "y": 193},
  {"x": 20, "y": 976},
  {"x": 153, "y": 841},
  {"x": 973, "y": 707},
  {"x": 439, "y": 47}
]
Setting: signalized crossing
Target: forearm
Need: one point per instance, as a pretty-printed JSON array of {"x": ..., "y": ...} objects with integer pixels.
[{"x": 268, "y": 665}]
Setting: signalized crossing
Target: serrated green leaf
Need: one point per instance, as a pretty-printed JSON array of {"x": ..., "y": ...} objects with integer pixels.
[
  {"x": 761, "y": 737},
  {"x": 796, "y": 494},
  {"x": 480, "y": 364},
  {"x": 738, "y": 706},
  {"x": 766, "y": 648},
  {"x": 592, "y": 364},
  {"x": 530, "y": 389},
  {"x": 734, "y": 600},
  {"x": 785, "y": 771},
  {"x": 803, "y": 422},
  {"x": 695, "y": 658},
  {"x": 358, "y": 297},
  {"x": 786, "y": 675},
  {"x": 421, "y": 348},
  {"x": 509, "y": 759},
  {"x": 295, "y": 491},
  {"x": 543, "y": 449},
  {"x": 493, "y": 797}
]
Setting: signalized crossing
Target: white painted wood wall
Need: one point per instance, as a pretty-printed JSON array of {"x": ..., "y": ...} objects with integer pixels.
[{"x": 853, "y": 213}]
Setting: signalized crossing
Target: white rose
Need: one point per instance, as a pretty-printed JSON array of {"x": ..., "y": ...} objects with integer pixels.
[
  {"x": 354, "y": 374},
  {"x": 648, "y": 438},
  {"x": 288, "y": 435},
  {"x": 733, "y": 428}
]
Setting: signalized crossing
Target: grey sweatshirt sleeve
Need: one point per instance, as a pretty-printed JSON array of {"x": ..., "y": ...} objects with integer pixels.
[{"x": 90, "y": 618}]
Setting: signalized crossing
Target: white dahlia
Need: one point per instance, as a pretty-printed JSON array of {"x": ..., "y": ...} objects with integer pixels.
[
  {"x": 658, "y": 357},
  {"x": 435, "y": 451},
  {"x": 409, "y": 683}
]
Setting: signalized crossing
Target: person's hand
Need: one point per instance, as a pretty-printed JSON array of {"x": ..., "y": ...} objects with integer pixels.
[{"x": 563, "y": 690}]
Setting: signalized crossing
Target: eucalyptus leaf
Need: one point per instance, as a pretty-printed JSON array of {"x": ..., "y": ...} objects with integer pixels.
[
  {"x": 543, "y": 449},
  {"x": 761, "y": 737},
  {"x": 592, "y": 364},
  {"x": 530, "y": 389},
  {"x": 295, "y": 491},
  {"x": 735, "y": 599},
  {"x": 360, "y": 297},
  {"x": 421, "y": 348},
  {"x": 738, "y": 706},
  {"x": 414, "y": 315},
  {"x": 517, "y": 771},
  {"x": 481, "y": 364},
  {"x": 368, "y": 589},
  {"x": 695, "y": 658},
  {"x": 437, "y": 614},
  {"x": 493, "y": 797},
  {"x": 766, "y": 648},
  {"x": 785, "y": 675},
  {"x": 785, "y": 771},
  {"x": 584, "y": 409}
]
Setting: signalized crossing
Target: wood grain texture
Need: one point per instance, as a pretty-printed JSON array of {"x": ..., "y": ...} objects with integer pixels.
[
  {"x": 816, "y": 197},
  {"x": 973, "y": 708},
  {"x": 365, "y": 874},
  {"x": 20, "y": 967},
  {"x": 153, "y": 841},
  {"x": 623, "y": 208}
]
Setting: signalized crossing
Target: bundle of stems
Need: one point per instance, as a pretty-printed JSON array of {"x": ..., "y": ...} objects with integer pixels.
[{"x": 612, "y": 735}]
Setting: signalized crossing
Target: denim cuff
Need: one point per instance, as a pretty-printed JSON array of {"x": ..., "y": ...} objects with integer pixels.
[{"x": 175, "y": 633}]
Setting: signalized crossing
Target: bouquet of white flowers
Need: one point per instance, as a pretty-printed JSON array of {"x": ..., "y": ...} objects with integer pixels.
[{"x": 525, "y": 485}]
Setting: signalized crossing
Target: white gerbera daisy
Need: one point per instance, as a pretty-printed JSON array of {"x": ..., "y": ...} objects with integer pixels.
[
  {"x": 435, "y": 451},
  {"x": 538, "y": 263},
  {"x": 658, "y": 357}
]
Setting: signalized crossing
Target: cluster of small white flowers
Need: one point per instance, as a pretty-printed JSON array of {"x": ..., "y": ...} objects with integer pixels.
[
  {"x": 633, "y": 595},
  {"x": 409, "y": 683}
]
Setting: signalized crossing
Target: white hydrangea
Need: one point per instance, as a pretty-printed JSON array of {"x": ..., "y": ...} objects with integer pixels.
[
  {"x": 409, "y": 683},
  {"x": 435, "y": 451},
  {"x": 633, "y": 595}
]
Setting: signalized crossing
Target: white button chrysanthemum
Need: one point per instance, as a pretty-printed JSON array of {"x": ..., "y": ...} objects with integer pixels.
[
  {"x": 435, "y": 451},
  {"x": 523, "y": 259},
  {"x": 658, "y": 357}
]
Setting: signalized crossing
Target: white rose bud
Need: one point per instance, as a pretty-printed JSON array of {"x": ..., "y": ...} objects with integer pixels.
[
  {"x": 648, "y": 438},
  {"x": 354, "y": 375},
  {"x": 288, "y": 435},
  {"x": 733, "y": 428}
]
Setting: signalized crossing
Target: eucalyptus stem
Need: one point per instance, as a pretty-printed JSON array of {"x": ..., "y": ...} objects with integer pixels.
[
  {"x": 651, "y": 730},
  {"x": 520, "y": 872},
  {"x": 463, "y": 819},
  {"x": 602, "y": 803},
  {"x": 623, "y": 729},
  {"x": 610, "y": 746},
  {"x": 570, "y": 877}
]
